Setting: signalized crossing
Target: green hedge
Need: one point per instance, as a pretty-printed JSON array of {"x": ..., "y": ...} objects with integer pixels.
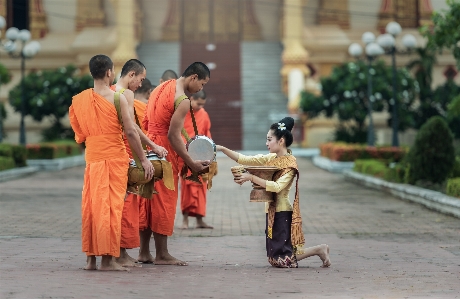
[
  {"x": 53, "y": 150},
  {"x": 453, "y": 187},
  {"x": 456, "y": 169},
  {"x": 6, "y": 150},
  {"x": 343, "y": 152},
  {"x": 17, "y": 152},
  {"x": 6, "y": 163}
]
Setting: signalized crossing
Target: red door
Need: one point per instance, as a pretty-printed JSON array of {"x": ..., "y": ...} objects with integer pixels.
[{"x": 223, "y": 89}]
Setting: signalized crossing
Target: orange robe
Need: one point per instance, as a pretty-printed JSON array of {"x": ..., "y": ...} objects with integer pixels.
[
  {"x": 95, "y": 122},
  {"x": 130, "y": 221},
  {"x": 161, "y": 210},
  {"x": 130, "y": 216},
  {"x": 193, "y": 195}
]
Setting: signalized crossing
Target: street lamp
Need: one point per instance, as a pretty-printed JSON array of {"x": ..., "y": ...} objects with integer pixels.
[
  {"x": 387, "y": 41},
  {"x": 27, "y": 50},
  {"x": 372, "y": 50}
]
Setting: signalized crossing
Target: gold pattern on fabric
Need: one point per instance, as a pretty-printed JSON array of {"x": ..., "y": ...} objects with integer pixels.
[
  {"x": 288, "y": 163},
  {"x": 207, "y": 177}
]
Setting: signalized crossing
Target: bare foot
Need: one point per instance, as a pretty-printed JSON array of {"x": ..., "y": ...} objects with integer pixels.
[
  {"x": 145, "y": 259},
  {"x": 185, "y": 222},
  {"x": 132, "y": 259},
  {"x": 126, "y": 262},
  {"x": 169, "y": 260},
  {"x": 204, "y": 225},
  {"x": 324, "y": 256},
  {"x": 90, "y": 263},
  {"x": 201, "y": 224},
  {"x": 109, "y": 264}
]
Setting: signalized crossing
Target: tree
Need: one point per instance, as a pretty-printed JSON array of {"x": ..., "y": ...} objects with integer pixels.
[
  {"x": 431, "y": 102},
  {"x": 345, "y": 95},
  {"x": 49, "y": 94},
  {"x": 423, "y": 66},
  {"x": 5, "y": 77},
  {"x": 446, "y": 30},
  {"x": 453, "y": 116},
  {"x": 431, "y": 158}
]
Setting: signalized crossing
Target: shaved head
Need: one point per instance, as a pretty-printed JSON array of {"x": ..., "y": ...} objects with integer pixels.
[{"x": 168, "y": 75}]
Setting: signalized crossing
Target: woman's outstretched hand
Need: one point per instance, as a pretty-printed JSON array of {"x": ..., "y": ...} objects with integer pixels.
[
  {"x": 219, "y": 147},
  {"x": 243, "y": 177}
]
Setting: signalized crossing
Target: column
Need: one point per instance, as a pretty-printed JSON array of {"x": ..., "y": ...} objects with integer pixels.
[
  {"x": 126, "y": 32},
  {"x": 294, "y": 55}
]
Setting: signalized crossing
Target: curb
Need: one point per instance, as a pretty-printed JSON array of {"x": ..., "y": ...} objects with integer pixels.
[
  {"x": 15, "y": 173},
  {"x": 431, "y": 199},
  {"x": 57, "y": 164},
  {"x": 332, "y": 166}
]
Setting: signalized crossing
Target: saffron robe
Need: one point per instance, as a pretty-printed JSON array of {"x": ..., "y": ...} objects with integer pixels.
[
  {"x": 130, "y": 216},
  {"x": 193, "y": 195},
  {"x": 131, "y": 219},
  {"x": 161, "y": 210},
  {"x": 95, "y": 122}
]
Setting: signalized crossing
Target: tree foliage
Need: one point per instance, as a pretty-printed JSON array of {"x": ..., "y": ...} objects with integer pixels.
[
  {"x": 5, "y": 77},
  {"x": 453, "y": 116},
  {"x": 345, "y": 95},
  {"x": 432, "y": 102},
  {"x": 446, "y": 30},
  {"x": 431, "y": 158},
  {"x": 49, "y": 94}
]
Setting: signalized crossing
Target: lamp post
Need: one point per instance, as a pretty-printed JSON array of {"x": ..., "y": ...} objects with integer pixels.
[
  {"x": 372, "y": 50},
  {"x": 26, "y": 50},
  {"x": 387, "y": 41}
]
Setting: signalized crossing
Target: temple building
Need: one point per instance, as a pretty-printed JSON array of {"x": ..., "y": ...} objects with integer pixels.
[{"x": 261, "y": 53}]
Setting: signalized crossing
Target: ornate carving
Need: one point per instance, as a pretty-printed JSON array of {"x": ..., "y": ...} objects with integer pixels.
[
  {"x": 408, "y": 13},
  {"x": 218, "y": 21},
  {"x": 171, "y": 27},
  {"x": 3, "y": 14},
  {"x": 334, "y": 12},
  {"x": 37, "y": 19},
  {"x": 90, "y": 13}
]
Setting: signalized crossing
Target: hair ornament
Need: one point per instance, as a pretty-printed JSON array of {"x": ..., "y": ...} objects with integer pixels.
[{"x": 281, "y": 126}]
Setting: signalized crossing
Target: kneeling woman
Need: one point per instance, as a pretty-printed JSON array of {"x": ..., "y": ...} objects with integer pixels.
[{"x": 284, "y": 234}]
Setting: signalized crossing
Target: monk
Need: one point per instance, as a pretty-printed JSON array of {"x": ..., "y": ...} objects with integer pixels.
[
  {"x": 193, "y": 195},
  {"x": 94, "y": 119},
  {"x": 133, "y": 74},
  {"x": 168, "y": 75},
  {"x": 164, "y": 124}
]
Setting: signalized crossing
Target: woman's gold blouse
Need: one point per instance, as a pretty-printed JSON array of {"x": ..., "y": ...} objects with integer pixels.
[{"x": 281, "y": 186}]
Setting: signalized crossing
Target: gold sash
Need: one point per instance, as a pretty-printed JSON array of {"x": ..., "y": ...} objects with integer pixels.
[{"x": 287, "y": 163}]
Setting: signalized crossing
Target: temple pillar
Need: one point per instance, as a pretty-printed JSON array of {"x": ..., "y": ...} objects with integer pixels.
[
  {"x": 3, "y": 14},
  {"x": 37, "y": 19},
  {"x": 90, "y": 13},
  {"x": 126, "y": 32},
  {"x": 294, "y": 56}
]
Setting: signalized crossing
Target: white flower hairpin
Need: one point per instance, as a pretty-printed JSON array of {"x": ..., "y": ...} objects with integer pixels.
[{"x": 281, "y": 126}]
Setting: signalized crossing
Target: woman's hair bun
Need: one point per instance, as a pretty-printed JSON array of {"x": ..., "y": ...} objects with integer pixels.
[{"x": 288, "y": 123}]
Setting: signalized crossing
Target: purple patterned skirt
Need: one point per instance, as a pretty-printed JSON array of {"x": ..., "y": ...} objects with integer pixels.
[{"x": 279, "y": 248}]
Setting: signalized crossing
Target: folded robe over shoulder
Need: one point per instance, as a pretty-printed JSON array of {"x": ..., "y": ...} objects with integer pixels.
[
  {"x": 161, "y": 210},
  {"x": 95, "y": 122}
]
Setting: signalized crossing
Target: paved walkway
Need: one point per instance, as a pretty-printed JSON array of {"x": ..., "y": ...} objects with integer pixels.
[{"x": 381, "y": 247}]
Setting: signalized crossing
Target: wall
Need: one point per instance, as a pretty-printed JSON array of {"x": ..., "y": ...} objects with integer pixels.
[
  {"x": 268, "y": 14},
  {"x": 154, "y": 15},
  {"x": 364, "y": 14},
  {"x": 60, "y": 15}
]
